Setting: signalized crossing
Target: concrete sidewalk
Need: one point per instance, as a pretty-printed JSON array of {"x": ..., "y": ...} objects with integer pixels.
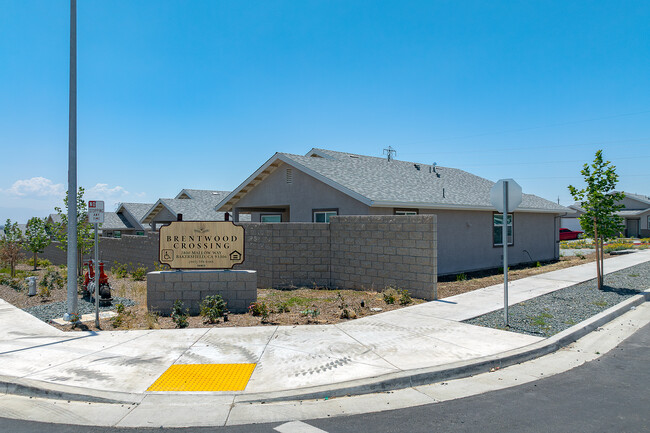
[{"x": 384, "y": 351}]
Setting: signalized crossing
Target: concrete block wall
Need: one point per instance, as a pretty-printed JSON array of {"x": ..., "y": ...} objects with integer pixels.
[
  {"x": 288, "y": 254},
  {"x": 237, "y": 288},
  {"x": 360, "y": 252},
  {"x": 374, "y": 252},
  {"x": 137, "y": 250}
]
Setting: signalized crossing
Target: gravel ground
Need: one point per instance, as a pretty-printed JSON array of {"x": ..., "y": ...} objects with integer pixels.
[
  {"x": 549, "y": 314},
  {"x": 56, "y": 310}
]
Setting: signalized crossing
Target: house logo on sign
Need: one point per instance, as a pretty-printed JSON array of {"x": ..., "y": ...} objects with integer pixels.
[{"x": 235, "y": 255}]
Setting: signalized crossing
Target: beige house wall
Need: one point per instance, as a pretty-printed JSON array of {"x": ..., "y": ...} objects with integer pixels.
[{"x": 301, "y": 196}]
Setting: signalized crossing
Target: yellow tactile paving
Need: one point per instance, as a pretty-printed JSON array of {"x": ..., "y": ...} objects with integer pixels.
[{"x": 204, "y": 377}]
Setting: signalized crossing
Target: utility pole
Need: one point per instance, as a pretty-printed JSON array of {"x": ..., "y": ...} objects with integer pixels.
[{"x": 72, "y": 169}]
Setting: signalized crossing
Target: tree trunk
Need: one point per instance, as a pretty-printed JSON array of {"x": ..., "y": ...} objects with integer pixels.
[
  {"x": 35, "y": 260},
  {"x": 602, "y": 262},
  {"x": 598, "y": 253}
]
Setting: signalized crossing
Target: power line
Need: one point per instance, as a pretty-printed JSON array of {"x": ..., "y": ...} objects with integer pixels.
[
  {"x": 556, "y": 161},
  {"x": 553, "y": 146}
]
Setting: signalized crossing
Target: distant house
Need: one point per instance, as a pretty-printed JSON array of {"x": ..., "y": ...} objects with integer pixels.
[
  {"x": 189, "y": 204},
  {"x": 570, "y": 219},
  {"x": 132, "y": 215},
  {"x": 325, "y": 183},
  {"x": 635, "y": 214}
]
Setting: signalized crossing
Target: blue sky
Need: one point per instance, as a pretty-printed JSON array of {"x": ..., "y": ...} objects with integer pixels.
[{"x": 198, "y": 94}]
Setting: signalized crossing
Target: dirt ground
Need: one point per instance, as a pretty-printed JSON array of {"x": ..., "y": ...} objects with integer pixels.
[{"x": 286, "y": 307}]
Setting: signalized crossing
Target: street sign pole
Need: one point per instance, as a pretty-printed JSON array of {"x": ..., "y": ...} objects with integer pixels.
[
  {"x": 96, "y": 216},
  {"x": 505, "y": 196},
  {"x": 504, "y": 237},
  {"x": 96, "y": 278}
]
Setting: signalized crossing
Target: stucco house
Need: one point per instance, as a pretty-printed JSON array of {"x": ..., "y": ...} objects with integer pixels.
[
  {"x": 635, "y": 214},
  {"x": 325, "y": 183},
  {"x": 132, "y": 214}
]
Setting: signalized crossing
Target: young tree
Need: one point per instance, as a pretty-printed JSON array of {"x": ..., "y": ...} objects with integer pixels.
[
  {"x": 599, "y": 199},
  {"x": 85, "y": 237},
  {"x": 36, "y": 237},
  {"x": 10, "y": 246}
]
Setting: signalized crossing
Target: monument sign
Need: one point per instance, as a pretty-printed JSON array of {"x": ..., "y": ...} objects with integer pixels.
[{"x": 201, "y": 245}]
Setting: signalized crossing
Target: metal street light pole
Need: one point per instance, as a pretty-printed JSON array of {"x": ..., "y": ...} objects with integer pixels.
[{"x": 72, "y": 168}]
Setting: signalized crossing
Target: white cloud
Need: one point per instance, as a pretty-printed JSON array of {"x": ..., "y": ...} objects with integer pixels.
[
  {"x": 35, "y": 187},
  {"x": 38, "y": 196},
  {"x": 110, "y": 195}
]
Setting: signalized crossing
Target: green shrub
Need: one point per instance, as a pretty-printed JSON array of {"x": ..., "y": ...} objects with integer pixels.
[
  {"x": 157, "y": 266},
  {"x": 461, "y": 277},
  {"x": 282, "y": 307},
  {"x": 179, "y": 315},
  {"x": 41, "y": 263},
  {"x": 404, "y": 297},
  {"x": 139, "y": 274},
  {"x": 389, "y": 296},
  {"x": 212, "y": 308},
  {"x": 14, "y": 283},
  {"x": 259, "y": 309},
  {"x": 44, "y": 291},
  {"x": 311, "y": 312},
  {"x": 119, "y": 270},
  {"x": 52, "y": 280}
]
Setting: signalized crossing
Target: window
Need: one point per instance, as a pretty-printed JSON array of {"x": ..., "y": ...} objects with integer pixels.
[
  {"x": 271, "y": 218},
  {"x": 323, "y": 215},
  {"x": 117, "y": 234},
  {"x": 406, "y": 211},
  {"x": 139, "y": 233},
  {"x": 497, "y": 230}
]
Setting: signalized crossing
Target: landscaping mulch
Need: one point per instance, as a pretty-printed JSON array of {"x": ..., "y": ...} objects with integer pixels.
[
  {"x": 549, "y": 314},
  {"x": 299, "y": 306}
]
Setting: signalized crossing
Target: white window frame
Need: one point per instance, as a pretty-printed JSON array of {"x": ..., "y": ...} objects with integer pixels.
[
  {"x": 499, "y": 225},
  {"x": 271, "y": 216},
  {"x": 327, "y": 213}
]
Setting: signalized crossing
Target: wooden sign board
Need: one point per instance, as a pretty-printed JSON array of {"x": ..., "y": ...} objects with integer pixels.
[{"x": 201, "y": 245}]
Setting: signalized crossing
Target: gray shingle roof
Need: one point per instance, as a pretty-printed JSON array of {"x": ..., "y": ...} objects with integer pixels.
[
  {"x": 401, "y": 183},
  {"x": 208, "y": 195},
  {"x": 55, "y": 218},
  {"x": 193, "y": 209},
  {"x": 137, "y": 210},
  {"x": 114, "y": 221},
  {"x": 638, "y": 197},
  {"x": 626, "y": 213}
]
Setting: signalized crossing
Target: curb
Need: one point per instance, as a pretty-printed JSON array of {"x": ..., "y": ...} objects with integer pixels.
[
  {"x": 426, "y": 376},
  {"x": 387, "y": 382},
  {"x": 36, "y": 388}
]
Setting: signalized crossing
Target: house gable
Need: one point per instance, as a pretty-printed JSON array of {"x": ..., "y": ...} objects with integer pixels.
[{"x": 291, "y": 188}]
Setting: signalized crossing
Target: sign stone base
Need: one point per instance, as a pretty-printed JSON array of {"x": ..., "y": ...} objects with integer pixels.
[{"x": 237, "y": 288}]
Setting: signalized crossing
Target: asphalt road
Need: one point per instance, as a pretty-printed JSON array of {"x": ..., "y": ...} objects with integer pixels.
[{"x": 610, "y": 394}]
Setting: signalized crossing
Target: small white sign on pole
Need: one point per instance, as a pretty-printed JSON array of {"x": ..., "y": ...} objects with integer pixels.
[
  {"x": 96, "y": 216},
  {"x": 95, "y": 211},
  {"x": 505, "y": 196}
]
